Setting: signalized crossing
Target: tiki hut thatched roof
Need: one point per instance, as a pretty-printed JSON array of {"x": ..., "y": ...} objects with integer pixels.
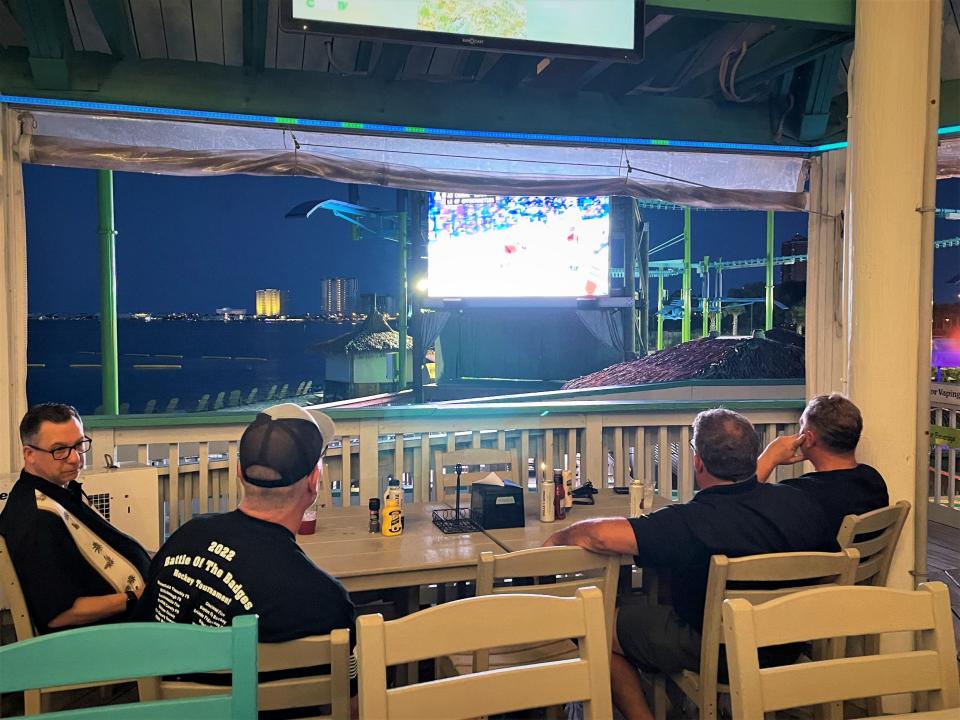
[
  {"x": 710, "y": 358},
  {"x": 374, "y": 335}
]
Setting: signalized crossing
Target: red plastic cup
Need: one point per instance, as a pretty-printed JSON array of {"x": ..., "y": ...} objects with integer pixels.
[{"x": 308, "y": 525}]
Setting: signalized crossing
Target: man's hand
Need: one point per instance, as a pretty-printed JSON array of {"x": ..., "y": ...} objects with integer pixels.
[
  {"x": 611, "y": 536},
  {"x": 784, "y": 450}
]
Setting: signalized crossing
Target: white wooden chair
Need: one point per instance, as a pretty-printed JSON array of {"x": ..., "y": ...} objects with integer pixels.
[
  {"x": 733, "y": 578},
  {"x": 555, "y": 571},
  {"x": 929, "y": 671},
  {"x": 479, "y": 623},
  {"x": 875, "y": 535},
  {"x": 477, "y": 464},
  {"x": 328, "y": 689}
]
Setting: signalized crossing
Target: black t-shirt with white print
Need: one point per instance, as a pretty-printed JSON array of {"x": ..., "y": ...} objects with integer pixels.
[{"x": 217, "y": 567}]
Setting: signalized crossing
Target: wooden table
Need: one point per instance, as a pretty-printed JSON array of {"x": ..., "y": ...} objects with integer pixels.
[
  {"x": 535, "y": 533},
  {"x": 422, "y": 555}
]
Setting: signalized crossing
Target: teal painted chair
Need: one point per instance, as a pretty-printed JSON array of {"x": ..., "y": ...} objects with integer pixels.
[{"x": 137, "y": 650}]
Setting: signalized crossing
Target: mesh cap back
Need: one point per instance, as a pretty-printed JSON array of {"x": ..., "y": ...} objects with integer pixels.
[{"x": 286, "y": 439}]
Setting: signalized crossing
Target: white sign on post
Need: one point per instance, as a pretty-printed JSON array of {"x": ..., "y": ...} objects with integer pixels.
[{"x": 945, "y": 395}]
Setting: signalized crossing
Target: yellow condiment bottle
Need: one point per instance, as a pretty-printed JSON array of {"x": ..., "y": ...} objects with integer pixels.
[{"x": 391, "y": 518}]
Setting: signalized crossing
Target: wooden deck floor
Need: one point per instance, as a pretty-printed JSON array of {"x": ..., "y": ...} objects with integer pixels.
[{"x": 943, "y": 558}]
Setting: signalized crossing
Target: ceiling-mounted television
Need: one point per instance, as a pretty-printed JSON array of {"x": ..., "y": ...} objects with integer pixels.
[
  {"x": 598, "y": 29},
  {"x": 517, "y": 246}
]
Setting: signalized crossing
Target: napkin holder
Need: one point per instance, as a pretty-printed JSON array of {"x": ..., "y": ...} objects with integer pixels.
[{"x": 497, "y": 506}]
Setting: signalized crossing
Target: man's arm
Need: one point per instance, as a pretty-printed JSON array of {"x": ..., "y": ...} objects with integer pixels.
[
  {"x": 86, "y": 610},
  {"x": 784, "y": 450},
  {"x": 611, "y": 536}
]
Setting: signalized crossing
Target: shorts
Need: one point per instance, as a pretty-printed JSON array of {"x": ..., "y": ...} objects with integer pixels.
[{"x": 654, "y": 638}]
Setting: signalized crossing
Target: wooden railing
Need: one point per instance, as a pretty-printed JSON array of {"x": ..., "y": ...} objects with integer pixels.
[
  {"x": 196, "y": 455},
  {"x": 944, "y": 487}
]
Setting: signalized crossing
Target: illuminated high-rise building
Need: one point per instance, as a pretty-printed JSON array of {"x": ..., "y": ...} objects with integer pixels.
[
  {"x": 797, "y": 245},
  {"x": 272, "y": 303},
  {"x": 339, "y": 295}
]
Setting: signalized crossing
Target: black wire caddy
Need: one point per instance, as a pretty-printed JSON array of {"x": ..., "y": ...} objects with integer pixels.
[{"x": 455, "y": 520}]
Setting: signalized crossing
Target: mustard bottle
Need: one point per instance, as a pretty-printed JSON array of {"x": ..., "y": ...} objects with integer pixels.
[{"x": 392, "y": 518}]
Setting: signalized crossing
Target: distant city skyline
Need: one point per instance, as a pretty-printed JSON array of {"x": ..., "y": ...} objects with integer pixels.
[{"x": 191, "y": 245}]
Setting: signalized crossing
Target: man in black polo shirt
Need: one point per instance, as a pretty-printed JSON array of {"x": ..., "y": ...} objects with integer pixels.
[
  {"x": 830, "y": 430},
  {"x": 732, "y": 515},
  {"x": 248, "y": 561},
  {"x": 74, "y": 567}
]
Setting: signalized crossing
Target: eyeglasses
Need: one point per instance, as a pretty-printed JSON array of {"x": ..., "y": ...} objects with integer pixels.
[
  {"x": 693, "y": 447},
  {"x": 62, "y": 453}
]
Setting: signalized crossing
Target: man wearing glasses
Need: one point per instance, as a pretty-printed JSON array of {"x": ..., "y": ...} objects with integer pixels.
[{"x": 73, "y": 566}]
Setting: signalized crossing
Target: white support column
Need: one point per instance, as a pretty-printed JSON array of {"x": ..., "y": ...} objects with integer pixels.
[
  {"x": 13, "y": 294},
  {"x": 891, "y": 168},
  {"x": 826, "y": 346}
]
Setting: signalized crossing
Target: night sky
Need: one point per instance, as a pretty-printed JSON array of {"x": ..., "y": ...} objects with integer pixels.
[{"x": 189, "y": 244}]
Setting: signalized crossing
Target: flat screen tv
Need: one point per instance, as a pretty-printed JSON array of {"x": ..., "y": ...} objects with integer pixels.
[
  {"x": 600, "y": 29},
  {"x": 517, "y": 246}
]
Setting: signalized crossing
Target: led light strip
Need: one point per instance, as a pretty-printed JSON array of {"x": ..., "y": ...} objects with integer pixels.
[{"x": 413, "y": 130}]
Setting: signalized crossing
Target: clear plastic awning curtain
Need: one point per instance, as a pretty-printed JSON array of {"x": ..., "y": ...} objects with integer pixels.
[{"x": 698, "y": 179}]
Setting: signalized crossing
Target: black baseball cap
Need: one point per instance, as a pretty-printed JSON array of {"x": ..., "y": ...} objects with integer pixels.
[{"x": 287, "y": 439}]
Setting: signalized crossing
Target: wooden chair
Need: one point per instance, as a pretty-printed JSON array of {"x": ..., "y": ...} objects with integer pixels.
[
  {"x": 882, "y": 530},
  {"x": 732, "y": 578},
  {"x": 874, "y": 535},
  {"x": 931, "y": 670},
  {"x": 329, "y": 689},
  {"x": 22, "y": 624},
  {"x": 471, "y": 459},
  {"x": 114, "y": 652},
  {"x": 485, "y": 622},
  {"x": 555, "y": 571}
]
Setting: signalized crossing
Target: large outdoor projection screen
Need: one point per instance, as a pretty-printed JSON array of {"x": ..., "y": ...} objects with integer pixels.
[
  {"x": 603, "y": 29},
  {"x": 524, "y": 246}
]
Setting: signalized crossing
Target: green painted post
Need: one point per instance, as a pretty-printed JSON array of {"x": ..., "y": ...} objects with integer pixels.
[
  {"x": 660, "y": 310},
  {"x": 705, "y": 300},
  {"x": 402, "y": 317},
  {"x": 769, "y": 297},
  {"x": 108, "y": 294},
  {"x": 686, "y": 295},
  {"x": 718, "y": 313}
]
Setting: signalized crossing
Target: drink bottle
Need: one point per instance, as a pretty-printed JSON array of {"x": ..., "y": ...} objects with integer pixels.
[{"x": 559, "y": 511}]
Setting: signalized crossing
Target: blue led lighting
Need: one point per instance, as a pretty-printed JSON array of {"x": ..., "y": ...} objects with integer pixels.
[{"x": 439, "y": 132}]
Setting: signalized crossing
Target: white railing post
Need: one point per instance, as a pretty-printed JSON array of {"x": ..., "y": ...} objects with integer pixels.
[{"x": 369, "y": 463}]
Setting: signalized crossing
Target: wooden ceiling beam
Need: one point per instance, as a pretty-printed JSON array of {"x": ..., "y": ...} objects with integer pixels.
[{"x": 44, "y": 23}]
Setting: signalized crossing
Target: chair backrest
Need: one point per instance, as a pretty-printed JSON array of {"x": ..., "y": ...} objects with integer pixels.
[
  {"x": 133, "y": 650},
  {"x": 330, "y": 688},
  {"x": 484, "y": 622},
  {"x": 875, "y": 535},
  {"x": 777, "y": 574},
  {"x": 556, "y": 571},
  {"x": 842, "y": 612},
  {"x": 471, "y": 459},
  {"x": 22, "y": 624}
]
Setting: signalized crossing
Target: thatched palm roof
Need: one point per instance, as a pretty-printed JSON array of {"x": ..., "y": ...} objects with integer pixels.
[
  {"x": 374, "y": 335},
  {"x": 712, "y": 358}
]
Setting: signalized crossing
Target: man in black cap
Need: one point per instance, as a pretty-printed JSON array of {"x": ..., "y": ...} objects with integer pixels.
[{"x": 248, "y": 561}]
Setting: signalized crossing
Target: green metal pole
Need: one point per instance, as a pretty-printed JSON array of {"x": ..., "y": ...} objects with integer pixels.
[
  {"x": 660, "y": 311},
  {"x": 769, "y": 319},
  {"x": 686, "y": 294},
  {"x": 718, "y": 313},
  {"x": 705, "y": 301},
  {"x": 108, "y": 294},
  {"x": 402, "y": 318}
]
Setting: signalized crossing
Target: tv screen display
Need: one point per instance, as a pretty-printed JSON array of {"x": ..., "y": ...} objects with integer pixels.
[
  {"x": 601, "y": 28},
  {"x": 517, "y": 246}
]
